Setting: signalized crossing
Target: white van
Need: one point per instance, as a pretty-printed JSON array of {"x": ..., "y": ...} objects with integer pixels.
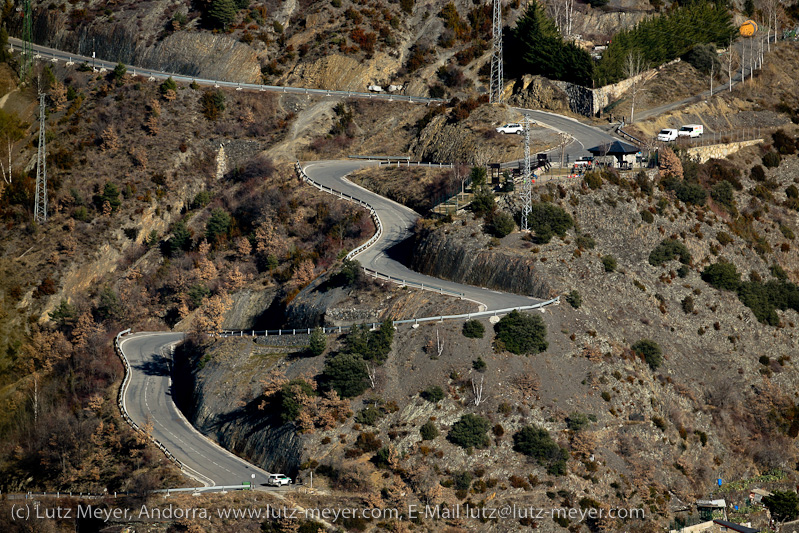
[
  {"x": 278, "y": 480},
  {"x": 667, "y": 135},
  {"x": 691, "y": 130}
]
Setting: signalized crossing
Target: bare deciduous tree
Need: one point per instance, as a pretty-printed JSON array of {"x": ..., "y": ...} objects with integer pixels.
[
  {"x": 634, "y": 66},
  {"x": 732, "y": 62},
  {"x": 477, "y": 390},
  {"x": 439, "y": 345},
  {"x": 562, "y": 13},
  {"x": 371, "y": 371}
]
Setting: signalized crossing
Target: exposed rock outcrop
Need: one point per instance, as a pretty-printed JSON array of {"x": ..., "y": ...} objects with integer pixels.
[{"x": 459, "y": 257}]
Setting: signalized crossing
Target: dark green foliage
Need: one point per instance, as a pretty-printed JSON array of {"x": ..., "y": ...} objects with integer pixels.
[
  {"x": 478, "y": 364},
  {"x": 110, "y": 195},
  {"x": 317, "y": 342},
  {"x": 522, "y": 333},
  {"x": 382, "y": 457},
  {"x": 787, "y": 232},
  {"x": 501, "y": 224},
  {"x": 407, "y": 6},
  {"x": 691, "y": 193},
  {"x": 765, "y": 298},
  {"x": 667, "y": 250},
  {"x": 433, "y": 394},
  {"x": 535, "y": 442},
  {"x": 577, "y": 421},
  {"x": 771, "y": 159},
  {"x": 119, "y": 72},
  {"x": 368, "y": 415},
  {"x": 722, "y": 275},
  {"x": 197, "y": 293},
  {"x": 470, "y": 432},
  {"x": 428, "y": 431},
  {"x": 463, "y": 480},
  {"x": 168, "y": 85},
  {"x": 704, "y": 58},
  {"x": 371, "y": 345},
  {"x": 784, "y": 505},
  {"x": 757, "y": 173},
  {"x": 212, "y": 103},
  {"x": 724, "y": 238},
  {"x": 473, "y": 329},
  {"x": 547, "y": 219},
  {"x": 643, "y": 182},
  {"x": 749, "y": 8},
  {"x": 647, "y": 217},
  {"x": 201, "y": 199},
  {"x": 180, "y": 240},
  {"x": 574, "y": 299},
  {"x": 290, "y": 394},
  {"x": 792, "y": 192},
  {"x": 688, "y": 304},
  {"x": 218, "y": 225},
  {"x": 666, "y": 37},
  {"x": 221, "y": 13},
  {"x": 783, "y": 142},
  {"x": 593, "y": 179},
  {"x": 368, "y": 442},
  {"x": 683, "y": 271},
  {"x": 651, "y": 351},
  {"x": 478, "y": 176},
  {"x": 585, "y": 241},
  {"x": 109, "y": 307},
  {"x": 350, "y": 273},
  {"x": 722, "y": 194},
  {"x": 609, "y": 262},
  {"x": 540, "y": 49},
  {"x": 63, "y": 315},
  {"x": 778, "y": 272},
  {"x": 482, "y": 201},
  {"x": 346, "y": 374}
]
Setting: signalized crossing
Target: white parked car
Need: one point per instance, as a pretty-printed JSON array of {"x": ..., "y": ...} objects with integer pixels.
[
  {"x": 513, "y": 127},
  {"x": 667, "y": 135},
  {"x": 691, "y": 130},
  {"x": 278, "y": 480}
]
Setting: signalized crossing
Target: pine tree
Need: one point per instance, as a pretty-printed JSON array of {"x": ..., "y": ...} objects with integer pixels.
[{"x": 221, "y": 13}]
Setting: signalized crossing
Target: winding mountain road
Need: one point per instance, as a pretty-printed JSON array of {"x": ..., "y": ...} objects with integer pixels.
[
  {"x": 147, "y": 398},
  {"x": 148, "y": 401}
]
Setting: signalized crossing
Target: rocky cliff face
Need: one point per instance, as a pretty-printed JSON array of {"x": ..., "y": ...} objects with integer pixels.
[
  {"x": 200, "y": 54},
  {"x": 457, "y": 256},
  {"x": 220, "y": 395}
]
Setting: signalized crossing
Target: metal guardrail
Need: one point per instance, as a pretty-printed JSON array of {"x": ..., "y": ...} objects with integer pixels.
[
  {"x": 121, "y": 402},
  {"x": 410, "y": 163},
  {"x": 380, "y": 157},
  {"x": 376, "y": 237},
  {"x": 50, "y": 55},
  {"x": 373, "y": 325},
  {"x": 212, "y": 488},
  {"x": 632, "y": 138}
]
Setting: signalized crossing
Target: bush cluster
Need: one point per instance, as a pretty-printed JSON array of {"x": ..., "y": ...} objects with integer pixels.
[
  {"x": 535, "y": 442},
  {"x": 667, "y": 250},
  {"x": 651, "y": 352},
  {"x": 522, "y": 333},
  {"x": 473, "y": 329},
  {"x": 546, "y": 220},
  {"x": 470, "y": 432}
]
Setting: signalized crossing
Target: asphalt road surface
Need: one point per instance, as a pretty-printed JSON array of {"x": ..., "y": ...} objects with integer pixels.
[
  {"x": 385, "y": 256},
  {"x": 148, "y": 400}
]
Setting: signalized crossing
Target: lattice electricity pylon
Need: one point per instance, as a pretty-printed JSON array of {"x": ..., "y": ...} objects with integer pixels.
[
  {"x": 26, "y": 59},
  {"x": 497, "y": 78},
  {"x": 527, "y": 178},
  {"x": 40, "y": 203}
]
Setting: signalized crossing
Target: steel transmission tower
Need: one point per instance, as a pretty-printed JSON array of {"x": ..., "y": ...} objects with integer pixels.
[
  {"x": 40, "y": 204},
  {"x": 27, "y": 38},
  {"x": 497, "y": 77},
  {"x": 527, "y": 178}
]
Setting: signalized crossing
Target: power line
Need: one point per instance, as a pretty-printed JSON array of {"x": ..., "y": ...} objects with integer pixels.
[
  {"x": 40, "y": 203},
  {"x": 27, "y": 39},
  {"x": 496, "y": 55},
  {"x": 527, "y": 177}
]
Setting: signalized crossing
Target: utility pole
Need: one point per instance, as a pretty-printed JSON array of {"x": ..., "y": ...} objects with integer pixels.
[
  {"x": 497, "y": 80},
  {"x": 40, "y": 203},
  {"x": 27, "y": 38},
  {"x": 527, "y": 184}
]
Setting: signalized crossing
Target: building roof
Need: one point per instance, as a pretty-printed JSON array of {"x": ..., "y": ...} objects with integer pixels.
[
  {"x": 732, "y": 526},
  {"x": 761, "y": 492},
  {"x": 711, "y": 503}
]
